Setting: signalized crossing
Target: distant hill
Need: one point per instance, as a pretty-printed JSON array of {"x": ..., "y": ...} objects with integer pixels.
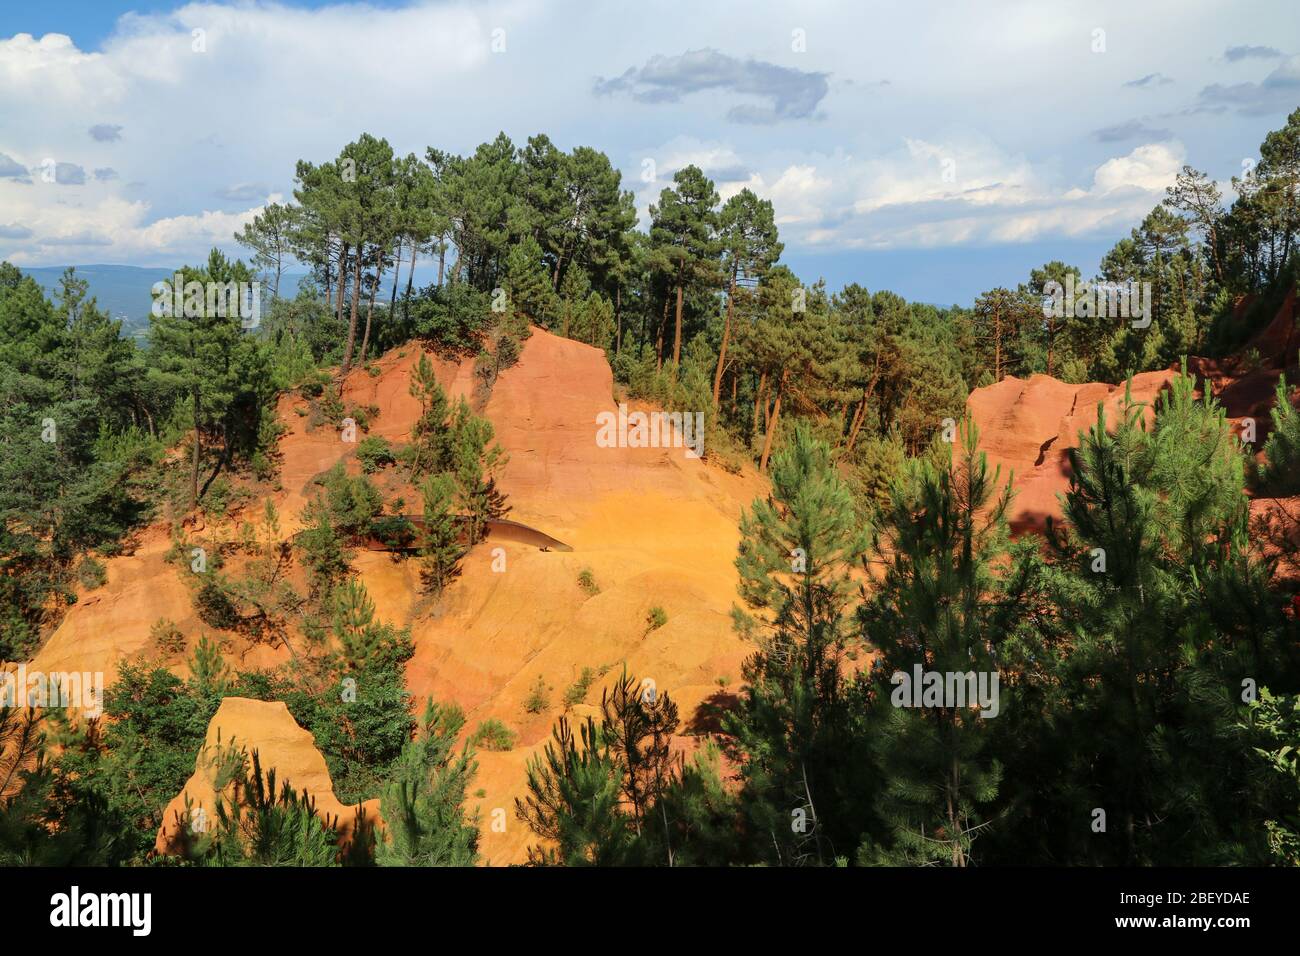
[{"x": 124, "y": 291}]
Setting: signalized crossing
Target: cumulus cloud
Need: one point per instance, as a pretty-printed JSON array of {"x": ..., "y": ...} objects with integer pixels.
[
  {"x": 15, "y": 231},
  {"x": 787, "y": 93},
  {"x": 930, "y": 194},
  {"x": 105, "y": 174},
  {"x": 105, "y": 133},
  {"x": 1151, "y": 167}
]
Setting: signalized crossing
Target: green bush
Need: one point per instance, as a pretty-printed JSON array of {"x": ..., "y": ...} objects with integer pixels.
[
  {"x": 375, "y": 454},
  {"x": 587, "y": 581},
  {"x": 576, "y": 692},
  {"x": 491, "y": 734},
  {"x": 352, "y": 502},
  {"x": 655, "y": 618},
  {"x": 166, "y": 637},
  {"x": 537, "y": 698},
  {"x": 213, "y": 605},
  {"x": 91, "y": 573}
]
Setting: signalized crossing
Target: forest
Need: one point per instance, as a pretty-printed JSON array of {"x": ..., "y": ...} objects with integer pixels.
[{"x": 1146, "y": 648}]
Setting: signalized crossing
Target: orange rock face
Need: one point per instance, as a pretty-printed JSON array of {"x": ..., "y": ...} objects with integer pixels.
[
  {"x": 1027, "y": 426},
  {"x": 282, "y": 745},
  {"x": 653, "y": 527}
]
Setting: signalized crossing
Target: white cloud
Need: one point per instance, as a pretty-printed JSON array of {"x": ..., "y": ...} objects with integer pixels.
[
  {"x": 1150, "y": 167},
  {"x": 277, "y": 83}
]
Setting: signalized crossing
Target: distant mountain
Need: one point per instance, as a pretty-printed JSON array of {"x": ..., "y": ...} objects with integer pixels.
[{"x": 125, "y": 291}]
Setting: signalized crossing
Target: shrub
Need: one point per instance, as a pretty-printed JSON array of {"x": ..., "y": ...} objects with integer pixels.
[
  {"x": 167, "y": 638},
  {"x": 214, "y": 606},
  {"x": 587, "y": 581},
  {"x": 217, "y": 499},
  {"x": 577, "y": 691},
  {"x": 91, "y": 573},
  {"x": 491, "y": 734},
  {"x": 352, "y": 502},
  {"x": 537, "y": 697},
  {"x": 375, "y": 454},
  {"x": 655, "y": 618},
  {"x": 263, "y": 469}
]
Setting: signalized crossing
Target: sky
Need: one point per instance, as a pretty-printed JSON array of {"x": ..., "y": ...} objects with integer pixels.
[{"x": 935, "y": 149}]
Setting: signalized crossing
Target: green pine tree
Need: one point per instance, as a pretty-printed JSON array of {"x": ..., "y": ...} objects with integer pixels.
[{"x": 798, "y": 551}]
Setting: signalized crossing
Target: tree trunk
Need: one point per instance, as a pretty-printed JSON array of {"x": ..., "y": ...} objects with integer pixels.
[
  {"x": 397, "y": 278},
  {"x": 677, "y": 336},
  {"x": 194, "y": 459},
  {"x": 343, "y": 280},
  {"x": 370, "y": 311},
  {"x": 659, "y": 341},
  {"x": 726, "y": 335},
  {"x": 771, "y": 425},
  {"x": 410, "y": 280},
  {"x": 997, "y": 347},
  {"x": 861, "y": 413},
  {"x": 618, "y": 319},
  {"x": 352, "y": 323},
  {"x": 442, "y": 261},
  {"x": 758, "y": 401}
]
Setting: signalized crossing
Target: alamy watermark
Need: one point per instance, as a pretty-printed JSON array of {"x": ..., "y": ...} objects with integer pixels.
[
  {"x": 950, "y": 689},
  {"x": 651, "y": 430},
  {"x": 133, "y": 911},
  {"x": 82, "y": 690},
  {"x": 1108, "y": 300},
  {"x": 194, "y": 299}
]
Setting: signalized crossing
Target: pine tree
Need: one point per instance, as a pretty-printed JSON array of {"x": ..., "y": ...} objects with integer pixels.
[
  {"x": 798, "y": 550},
  {"x": 637, "y": 724},
  {"x": 682, "y": 236},
  {"x": 354, "y": 624},
  {"x": 423, "y": 803},
  {"x": 256, "y": 825},
  {"x": 947, "y": 599},
  {"x": 531, "y": 293},
  {"x": 1280, "y": 470},
  {"x": 747, "y": 238},
  {"x": 573, "y": 802},
  {"x": 204, "y": 355},
  {"x": 429, "y": 433},
  {"x": 1163, "y": 614},
  {"x": 475, "y": 463},
  {"x": 440, "y": 547}
]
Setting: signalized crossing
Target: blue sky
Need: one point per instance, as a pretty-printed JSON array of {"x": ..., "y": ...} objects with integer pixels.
[{"x": 937, "y": 149}]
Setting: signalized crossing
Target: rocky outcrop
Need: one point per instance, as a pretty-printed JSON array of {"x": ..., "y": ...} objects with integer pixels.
[{"x": 268, "y": 728}]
